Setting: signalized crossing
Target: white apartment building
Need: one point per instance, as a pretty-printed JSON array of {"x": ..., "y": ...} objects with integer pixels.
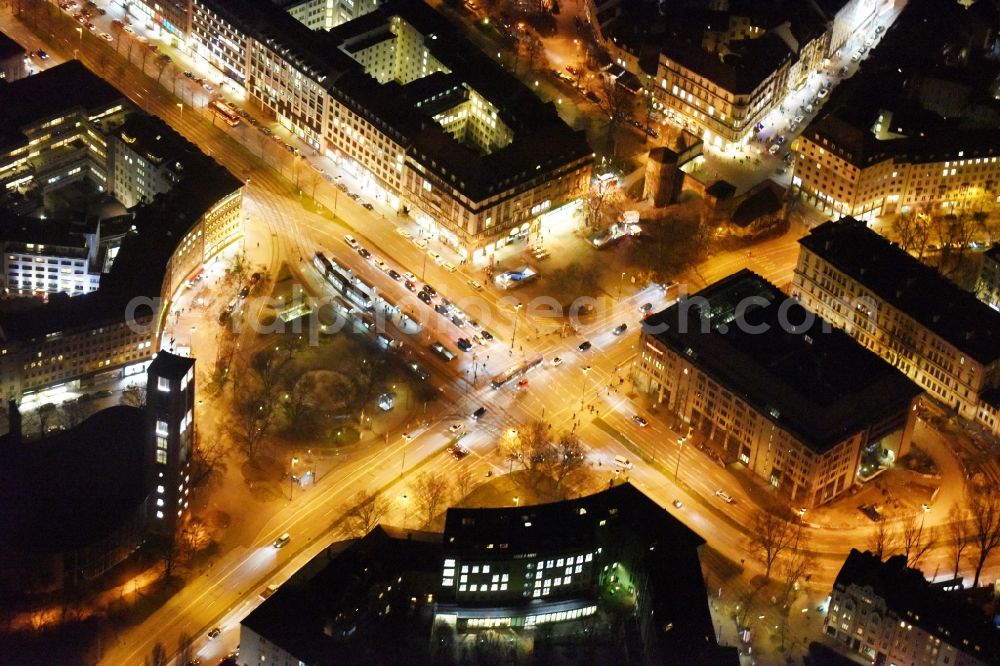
[
  {"x": 935, "y": 333},
  {"x": 846, "y": 170},
  {"x": 796, "y": 408},
  {"x": 888, "y": 613},
  {"x": 35, "y": 267}
]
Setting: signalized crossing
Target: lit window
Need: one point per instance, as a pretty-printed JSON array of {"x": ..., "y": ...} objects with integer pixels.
[
  {"x": 161, "y": 457},
  {"x": 163, "y": 384},
  {"x": 159, "y": 502},
  {"x": 161, "y": 428},
  {"x": 159, "y": 489},
  {"x": 159, "y": 514}
]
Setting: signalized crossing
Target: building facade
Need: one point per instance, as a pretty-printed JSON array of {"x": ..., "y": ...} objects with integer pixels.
[
  {"x": 848, "y": 171},
  {"x": 506, "y": 569},
  {"x": 783, "y": 403},
  {"x": 888, "y": 613},
  {"x": 12, "y": 60},
  {"x": 170, "y": 384},
  {"x": 988, "y": 283},
  {"x": 41, "y": 264},
  {"x": 935, "y": 333},
  {"x": 406, "y": 105}
]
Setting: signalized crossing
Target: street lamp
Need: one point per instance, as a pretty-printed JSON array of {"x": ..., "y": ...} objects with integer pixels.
[
  {"x": 620, "y": 283},
  {"x": 517, "y": 311},
  {"x": 291, "y": 477},
  {"x": 406, "y": 506},
  {"x": 517, "y": 501},
  {"x": 583, "y": 391},
  {"x": 180, "y": 105}
]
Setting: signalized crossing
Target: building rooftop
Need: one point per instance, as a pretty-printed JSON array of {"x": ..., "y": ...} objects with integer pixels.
[
  {"x": 816, "y": 382},
  {"x": 74, "y": 487},
  {"x": 332, "y": 610},
  {"x": 541, "y": 140},
  {"x": 335, "y": 605},
  {"x": 9, "y": 48},
  {"x": 170, "y": 365},
  {"x": 926, "y": 296},
  {"x": 53, "y": 92},
  {"x": 158, "y": 143},
  {"x": 914, "y": 600},
  {"x": 562, "y": 525}
]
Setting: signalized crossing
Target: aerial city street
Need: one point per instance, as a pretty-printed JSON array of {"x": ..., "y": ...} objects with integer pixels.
[{"x": 499, "y": 331}]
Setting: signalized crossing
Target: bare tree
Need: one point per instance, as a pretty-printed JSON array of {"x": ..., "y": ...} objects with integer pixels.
[
  {"x": 73, "y": 413},
  {"x": 464, "y": 482},
  {"x": 315, "y": 178},
  {"x": 134, "y": 395},
  {"x": 568, "y": 457},
  {"x": 885, "y": 541},
  {"x": 959, "y": 536},
  {"x": 208, "y": 457},
  {"x": 912, "y": 232},
  {"x": 431, "y": 491},
  {"x": 770, "y": 536},
  {"x": 615, "y": 102},
  {"x": 915, "y": 541},
  {"x": 256, "y": 394},
  {"x": 985, "y": 511},
  {"x": 796, "y": 565},
  {"x": 367, "y": 509}
]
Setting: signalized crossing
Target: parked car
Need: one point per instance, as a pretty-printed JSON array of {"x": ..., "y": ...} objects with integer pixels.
[
  {"x": 464, "y": 344},
  {"x": 645, "y": 307},
  {"x": 365, "y": 254},
  {"x": 368, "y": 206},
  {"x": 724, "y": 497},
  {"x": 350, "y": 240},
  {"x": 394, "y": 275},
  {"x": 486, "y": 335},
  {"x": 584, "y": 346},
  {"x": 214, "y": 633},
  {"x": 557, "y": 361}
]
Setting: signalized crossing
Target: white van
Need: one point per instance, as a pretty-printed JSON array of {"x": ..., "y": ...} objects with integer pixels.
[{"x": 622, "y": 461}]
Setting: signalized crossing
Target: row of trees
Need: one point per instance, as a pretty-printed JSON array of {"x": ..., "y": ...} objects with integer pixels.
[
  {"x": 546, "y": 458},
  {"x": 971, "y": 534},
  {"x": 429, "y": 495},
  {"x": 917, "y": 231}
]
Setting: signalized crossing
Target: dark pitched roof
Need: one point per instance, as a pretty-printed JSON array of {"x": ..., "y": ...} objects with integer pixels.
[
  {"x": 913, "y": 599},
  {"x": 330, "y": 611},
  {"x": 75, "y": 487},
  {"x": 817, "y": 382},
  {"x": 721, "y": 189},
  {"x": 763, "y": 202},
  {"x": 901, "y": 280}
]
